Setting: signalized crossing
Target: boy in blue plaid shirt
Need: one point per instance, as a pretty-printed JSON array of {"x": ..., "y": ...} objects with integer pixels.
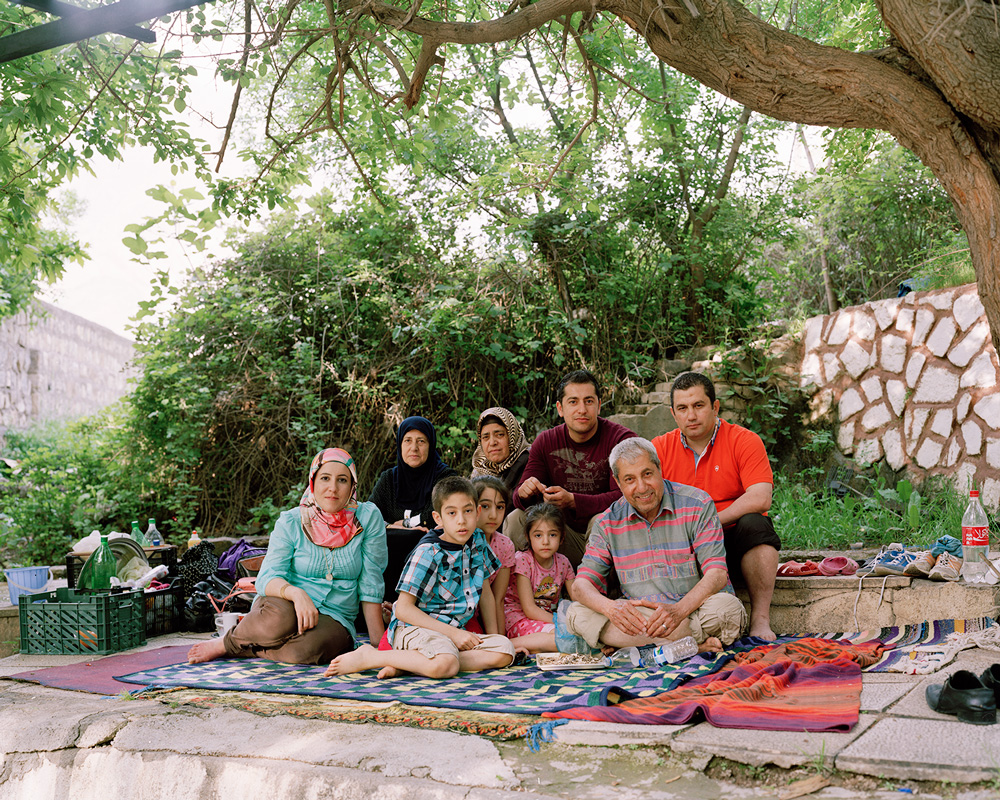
[{"x": 445, "y": 579}]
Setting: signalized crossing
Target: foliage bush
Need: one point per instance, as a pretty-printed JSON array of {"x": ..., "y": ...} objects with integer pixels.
[{"x": 330, "y": 327}]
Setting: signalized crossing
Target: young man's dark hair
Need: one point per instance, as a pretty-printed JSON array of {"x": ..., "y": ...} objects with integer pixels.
[
  {"x": 577, "y": 376},
  {"x": 688, "y": 380}
]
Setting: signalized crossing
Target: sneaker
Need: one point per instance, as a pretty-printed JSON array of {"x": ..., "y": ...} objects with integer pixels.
[
  {"x": 921, "y": 565},
  {"x": 946, "y": 568},
  {"x": 893, "y": 562}
]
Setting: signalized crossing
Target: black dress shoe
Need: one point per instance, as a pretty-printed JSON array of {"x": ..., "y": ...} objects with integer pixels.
[
  {"x": 964, "y": 695},
  {"x": 991, "y": 680}
]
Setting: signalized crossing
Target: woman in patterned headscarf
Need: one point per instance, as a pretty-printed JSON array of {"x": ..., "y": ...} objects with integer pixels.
[
  {"x": 324, "y": 558},
  {"x": 502, "y": 450}
]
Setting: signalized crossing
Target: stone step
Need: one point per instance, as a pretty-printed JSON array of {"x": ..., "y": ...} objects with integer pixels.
[{"x": 827, "y": 604}]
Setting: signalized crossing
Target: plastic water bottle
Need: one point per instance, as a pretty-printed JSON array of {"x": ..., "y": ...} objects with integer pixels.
[
  {"x": 154, "y": 574},
  {"x": 671, "y": 652},
  {"x": 975, "y": 541},
  {"x": 105, "y": 566},
  {"x": 653, "y": 656},
  {"x": 194, "y": 540},
  {"x": 155, "y": 540},
  {"x": 138, "y": 535},
  {"x": 625, "y": 658}
]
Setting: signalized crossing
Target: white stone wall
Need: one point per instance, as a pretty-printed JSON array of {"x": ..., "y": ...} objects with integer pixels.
[
  {"x": 55, "y": 365},
  {"x": 914, "y": 380}
]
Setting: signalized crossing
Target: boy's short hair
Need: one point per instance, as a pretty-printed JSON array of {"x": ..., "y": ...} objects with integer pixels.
[
  {"x": 491, "y": 482},
  {"x": 453, "y": 484}
]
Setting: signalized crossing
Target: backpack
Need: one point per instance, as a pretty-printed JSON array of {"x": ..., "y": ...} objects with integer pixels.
[{"x": 230, "y": 560}]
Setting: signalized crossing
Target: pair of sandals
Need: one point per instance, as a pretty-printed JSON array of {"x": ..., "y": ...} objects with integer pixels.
[{"x": 832, "y": 565}]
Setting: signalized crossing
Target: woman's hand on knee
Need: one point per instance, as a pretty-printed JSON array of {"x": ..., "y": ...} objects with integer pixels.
[{"x": 305, "y": 609}]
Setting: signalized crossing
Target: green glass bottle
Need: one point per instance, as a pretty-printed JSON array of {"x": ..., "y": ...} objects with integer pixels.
[
  {"x": 138, "y": 535},
  {"x": 105, "y": 566}
]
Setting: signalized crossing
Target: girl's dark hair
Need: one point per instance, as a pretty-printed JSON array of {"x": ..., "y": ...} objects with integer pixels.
[
  {"x": 540, "y": 512},
  {"x": 492, "y": 482}
]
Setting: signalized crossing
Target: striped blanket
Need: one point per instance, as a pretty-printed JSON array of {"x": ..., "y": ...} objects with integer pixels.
[{"x": 803, "y": 685}]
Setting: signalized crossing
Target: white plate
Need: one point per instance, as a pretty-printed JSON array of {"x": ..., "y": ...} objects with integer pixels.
[{"x": 548, "y": 662}]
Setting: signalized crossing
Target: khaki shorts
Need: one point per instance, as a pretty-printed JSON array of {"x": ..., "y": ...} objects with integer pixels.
[
  {"x": 431, "y": 643},
  {"x": 722, "y": 615}
]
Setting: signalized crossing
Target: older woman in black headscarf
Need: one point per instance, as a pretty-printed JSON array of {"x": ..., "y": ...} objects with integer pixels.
[
  {"x": 502, "y": 450},
  {"x": 403, "y": 492}
]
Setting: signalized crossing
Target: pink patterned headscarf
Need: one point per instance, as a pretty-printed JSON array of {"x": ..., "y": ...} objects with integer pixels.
[{"x": 323, "y": 528}]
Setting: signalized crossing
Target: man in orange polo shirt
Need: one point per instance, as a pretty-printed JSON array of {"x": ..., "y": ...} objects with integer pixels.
[{"x": 730, "y": 463}]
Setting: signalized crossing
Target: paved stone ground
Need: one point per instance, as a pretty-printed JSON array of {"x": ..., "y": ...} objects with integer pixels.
[{"x": 56, "y": 744}]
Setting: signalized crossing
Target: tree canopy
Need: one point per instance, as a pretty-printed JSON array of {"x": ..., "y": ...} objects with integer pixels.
[{"x": 926, "y": 73}]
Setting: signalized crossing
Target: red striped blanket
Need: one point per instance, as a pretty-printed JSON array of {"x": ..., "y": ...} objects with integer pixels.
[{"x": 805, "y": 685}]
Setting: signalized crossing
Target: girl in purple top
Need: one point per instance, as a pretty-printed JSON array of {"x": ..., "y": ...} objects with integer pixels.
[{"x": 539, "y": 576}]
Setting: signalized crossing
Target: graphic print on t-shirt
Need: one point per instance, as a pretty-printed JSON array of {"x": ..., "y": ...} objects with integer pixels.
[{"x": 583, "y": 476}]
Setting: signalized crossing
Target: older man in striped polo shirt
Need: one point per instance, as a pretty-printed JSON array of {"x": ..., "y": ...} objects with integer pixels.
[{"x": 664, "y": 541}]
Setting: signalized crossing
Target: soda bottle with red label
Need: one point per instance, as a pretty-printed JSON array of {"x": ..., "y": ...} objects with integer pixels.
[{"x": 975, "y": 541}]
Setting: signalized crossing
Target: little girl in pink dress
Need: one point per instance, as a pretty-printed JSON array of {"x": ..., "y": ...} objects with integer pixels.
[{"x": 539, "y": 576}]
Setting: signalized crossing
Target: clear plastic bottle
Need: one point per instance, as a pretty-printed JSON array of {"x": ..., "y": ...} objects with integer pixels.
[
  {"x": 105, "y": 566},
  {"x": 975, "y": 541},
  {"x": 672, "y": 652},
  {"x": 153, "y": 575},
  {"x": 138, "y": 535},
  {"x": 155, "y": 540},
  {"x": 626, "y": 658},
  {"x": 195, "y": 540}
]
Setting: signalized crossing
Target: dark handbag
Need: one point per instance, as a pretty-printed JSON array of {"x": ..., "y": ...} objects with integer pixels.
[{"x": 197, "y": 564}]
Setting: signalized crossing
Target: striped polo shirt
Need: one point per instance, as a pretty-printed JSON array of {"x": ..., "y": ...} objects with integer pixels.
[{"x": 659, "y": 561}]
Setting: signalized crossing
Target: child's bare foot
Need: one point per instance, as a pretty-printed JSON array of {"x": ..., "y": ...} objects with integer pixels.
[
  {"x": 356, "y": 661},
  {"x": 207, "y": 651},
  {"x": 386, "y": 612},
  {"x": 387, "y": 672},
  {"x": 710, "y": 645}
]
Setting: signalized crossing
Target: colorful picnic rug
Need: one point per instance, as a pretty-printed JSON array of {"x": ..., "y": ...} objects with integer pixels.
[
  {"x": 98, "y": 676},
  {"x": 899, "y": 641},
  {"x": 803, "y": 685},
  {"x": 515, "y": 690},
  {"x": 491, "y": 725}
]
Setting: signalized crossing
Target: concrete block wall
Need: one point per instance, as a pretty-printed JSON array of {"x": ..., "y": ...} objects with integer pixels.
[
  {"x": 55, "y": 366},
  {"x": 914, "y": 380}
]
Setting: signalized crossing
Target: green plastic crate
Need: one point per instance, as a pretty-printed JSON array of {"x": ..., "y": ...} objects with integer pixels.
[{"x": 67, "y": 622}]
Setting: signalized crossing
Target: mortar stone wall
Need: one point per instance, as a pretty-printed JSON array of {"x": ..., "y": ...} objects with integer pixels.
[
  {"x": 57, "y": 366},
  {"x": 914, "y": 380}
]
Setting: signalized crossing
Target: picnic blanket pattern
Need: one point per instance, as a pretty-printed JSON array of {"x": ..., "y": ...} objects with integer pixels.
[
  {"x": 515, "y": 690},
  {"x": 898, "y": 641},
  {"x": 803, "y": 685},
  {"x": 499, "y": 727}
]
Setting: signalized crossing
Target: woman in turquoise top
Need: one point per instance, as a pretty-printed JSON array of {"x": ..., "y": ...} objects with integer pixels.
[{"x": 324, "y": 559}]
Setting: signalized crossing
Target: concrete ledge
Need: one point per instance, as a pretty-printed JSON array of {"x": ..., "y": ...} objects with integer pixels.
[{"x": 823, "y": 605}]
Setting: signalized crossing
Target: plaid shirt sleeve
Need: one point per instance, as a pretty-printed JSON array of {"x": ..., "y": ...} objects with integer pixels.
[
  {"x": 420, "y": 573},
  {"x": 491, "y": 562}
]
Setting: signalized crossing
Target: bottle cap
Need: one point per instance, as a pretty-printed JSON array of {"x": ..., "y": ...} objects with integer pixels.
[{"x": 974, "y": 493}]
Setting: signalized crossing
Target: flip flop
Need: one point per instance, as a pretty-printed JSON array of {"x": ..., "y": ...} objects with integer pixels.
[
  {"x": 798, "y": 569},
  {"x": 838, "y": 565}
]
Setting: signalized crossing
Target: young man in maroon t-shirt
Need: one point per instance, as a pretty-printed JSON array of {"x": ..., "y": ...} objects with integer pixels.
[{"x": 568, "y": 465}]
